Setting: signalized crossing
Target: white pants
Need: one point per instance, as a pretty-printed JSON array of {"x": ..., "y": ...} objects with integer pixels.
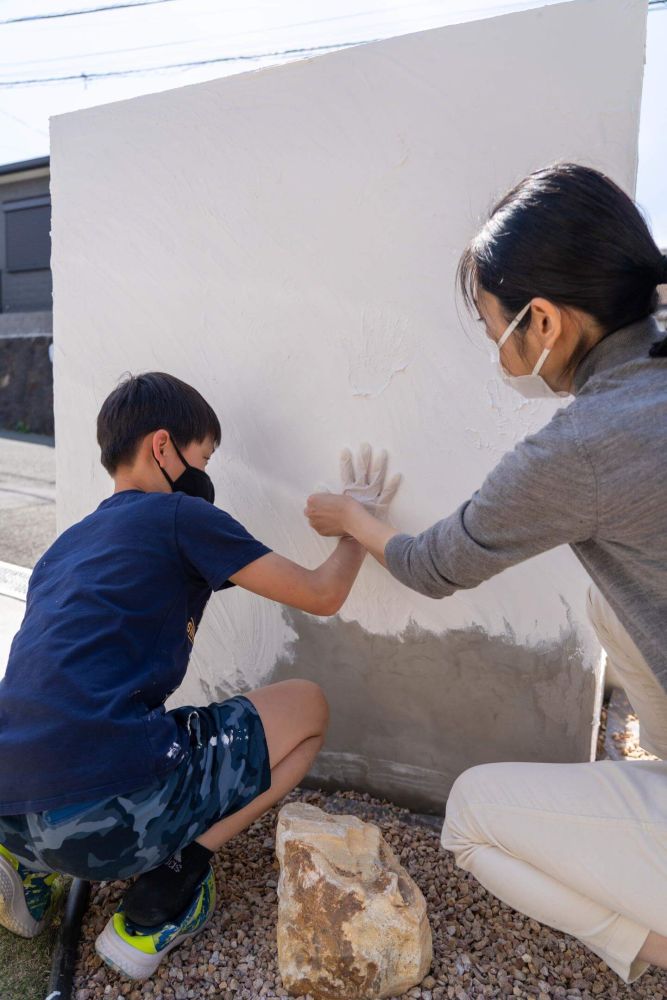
[{"x": 580, "y": 847}]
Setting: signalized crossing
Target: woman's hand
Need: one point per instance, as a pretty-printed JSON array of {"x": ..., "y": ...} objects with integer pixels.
[
  {"x": 367, "y": 483},
  {"x": 364, "y": 494}
]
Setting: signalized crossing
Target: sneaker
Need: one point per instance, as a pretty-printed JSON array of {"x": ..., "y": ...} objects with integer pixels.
[
  {"x": 137, "y": 951},
  {"x": 27, "y": 899}
]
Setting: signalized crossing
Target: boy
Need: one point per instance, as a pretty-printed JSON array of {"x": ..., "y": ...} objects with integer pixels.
[{"x": 97, "y": 779}]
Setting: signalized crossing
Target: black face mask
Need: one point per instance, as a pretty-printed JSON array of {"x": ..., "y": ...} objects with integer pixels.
[{"x": 195, "y": 482}]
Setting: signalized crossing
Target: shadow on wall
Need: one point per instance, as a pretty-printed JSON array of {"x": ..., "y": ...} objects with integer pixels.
[{"x": 420, "y": 708}]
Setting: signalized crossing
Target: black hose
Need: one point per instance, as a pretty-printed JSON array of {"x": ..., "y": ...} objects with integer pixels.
[{"x": 67, "y": 941}]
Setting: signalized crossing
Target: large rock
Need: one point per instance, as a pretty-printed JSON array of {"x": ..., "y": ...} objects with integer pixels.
[{"x": 351, "y": 922}]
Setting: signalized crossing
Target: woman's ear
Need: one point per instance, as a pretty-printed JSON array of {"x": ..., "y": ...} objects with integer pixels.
[{"x": 546, "y": 321}]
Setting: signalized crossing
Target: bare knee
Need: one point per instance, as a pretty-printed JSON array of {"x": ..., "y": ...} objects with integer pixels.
[
  {"x": 316, "y": 706},
  {"x": 297, "y": 704}
]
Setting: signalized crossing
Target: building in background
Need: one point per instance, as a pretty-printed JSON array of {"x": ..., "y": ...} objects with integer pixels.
[{"x": 26, "y": 380}]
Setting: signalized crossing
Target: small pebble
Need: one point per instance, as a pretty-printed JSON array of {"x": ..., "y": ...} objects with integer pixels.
[{"x": 482, "y": 948}]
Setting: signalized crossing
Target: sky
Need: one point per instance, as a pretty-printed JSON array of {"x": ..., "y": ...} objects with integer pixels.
[{"x": 237, "y": 36}]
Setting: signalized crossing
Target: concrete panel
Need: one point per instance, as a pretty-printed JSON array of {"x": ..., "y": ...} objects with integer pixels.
[{"x": 286, "y": 240}]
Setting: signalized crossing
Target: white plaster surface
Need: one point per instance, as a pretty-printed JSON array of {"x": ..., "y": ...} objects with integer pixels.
[{"x": 286, "y": 241}]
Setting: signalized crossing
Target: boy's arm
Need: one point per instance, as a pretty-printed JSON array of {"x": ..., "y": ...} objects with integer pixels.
[
  {"x": 333, "y": 514},
  {"x": 320, "y": 591},
  {"x": 323, "y": 591}
]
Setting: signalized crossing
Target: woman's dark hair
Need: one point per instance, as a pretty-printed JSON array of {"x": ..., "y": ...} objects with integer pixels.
[
  {"x": 569, "y": 234},
  {"x": 144, "y": 403}
]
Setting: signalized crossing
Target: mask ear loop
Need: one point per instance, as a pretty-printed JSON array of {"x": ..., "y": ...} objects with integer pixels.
[
  {"x": 164, "y": 471},
  {"x": 177, "y": 450},
  {"x": 540, "y": 361},
  {"x": 513, "y": 325}
]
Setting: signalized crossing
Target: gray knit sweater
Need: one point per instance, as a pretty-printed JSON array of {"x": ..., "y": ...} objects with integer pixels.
[{"x": 595, "y": 477}]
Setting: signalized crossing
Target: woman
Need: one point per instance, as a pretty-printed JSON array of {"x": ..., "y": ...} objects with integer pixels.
[{"x": 564, "y": 276}]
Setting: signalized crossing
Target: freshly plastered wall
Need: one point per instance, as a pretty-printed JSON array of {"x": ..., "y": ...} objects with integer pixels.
[{"x": 286, "y": 240}]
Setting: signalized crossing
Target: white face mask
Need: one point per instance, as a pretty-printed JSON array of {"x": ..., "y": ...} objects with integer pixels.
[{"x": 531, "y": 386}]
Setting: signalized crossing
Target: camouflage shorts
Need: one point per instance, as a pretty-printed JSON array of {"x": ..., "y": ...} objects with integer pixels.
[{"x": 226, "y": 768}]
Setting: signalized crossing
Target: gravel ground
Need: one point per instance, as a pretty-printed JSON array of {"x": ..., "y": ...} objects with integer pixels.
[
  {"x": 623, "y": 730},
  {"x": 482, "y": 948}
]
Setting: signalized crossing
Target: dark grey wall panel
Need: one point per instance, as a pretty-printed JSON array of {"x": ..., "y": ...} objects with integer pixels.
[
  {"x": 25, "y": 245},
  {"x": 27, "y": 236},
  {"x": 25, "y": 291}
]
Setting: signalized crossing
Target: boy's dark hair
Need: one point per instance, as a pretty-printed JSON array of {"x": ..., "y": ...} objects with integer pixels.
[
  {"x": 570, "y": 234},
  {"x": 144, "y": 403}
]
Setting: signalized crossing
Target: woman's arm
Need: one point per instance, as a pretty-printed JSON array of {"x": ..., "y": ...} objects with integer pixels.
[
  {"x": 320, "y": 591},
  {"x": 541, "y": 494}
]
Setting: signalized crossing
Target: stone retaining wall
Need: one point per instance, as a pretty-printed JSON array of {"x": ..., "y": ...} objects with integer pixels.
[{"x": 26, "y": 373}]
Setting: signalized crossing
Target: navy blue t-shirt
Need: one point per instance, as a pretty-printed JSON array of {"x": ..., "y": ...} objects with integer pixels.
[{"x": 111, "y": 613}]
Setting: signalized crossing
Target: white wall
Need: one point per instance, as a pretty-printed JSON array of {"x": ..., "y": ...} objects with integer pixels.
[{"x": 286, "y": 240}]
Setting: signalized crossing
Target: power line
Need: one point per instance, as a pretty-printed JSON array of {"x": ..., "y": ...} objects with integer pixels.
[
  {"x": 152, "y": 3},
  {"x": 22, "y": 121},
  {"x": 105, "y": 52},
  {"x": 88, "y": 10},
  {"x": 138, "y": 48},
  {"x": 85, "y": 77},
  {"x": 23, "y": 63}
]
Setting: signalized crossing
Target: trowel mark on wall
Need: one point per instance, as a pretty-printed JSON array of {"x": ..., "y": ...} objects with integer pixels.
[
  {"x": 255, "y": 633},
  {"x": 409, "y": 712},
  {"x": 513, "y": 414},
  {"x": 379, "y": 352}
]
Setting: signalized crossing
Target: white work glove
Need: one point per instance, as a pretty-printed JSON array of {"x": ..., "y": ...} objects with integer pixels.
[{"x": 367, "y": 483}]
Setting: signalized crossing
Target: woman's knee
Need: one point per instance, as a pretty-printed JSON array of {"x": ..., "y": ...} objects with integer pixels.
[{"x": 459, "y": 831}]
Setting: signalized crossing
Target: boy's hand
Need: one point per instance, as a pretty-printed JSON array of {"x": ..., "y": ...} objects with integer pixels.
[{"x": 327, "y": 512}]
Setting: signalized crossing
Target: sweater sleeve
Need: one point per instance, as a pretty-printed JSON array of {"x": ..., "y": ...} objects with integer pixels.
[{"x": 541, "y": 494}]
